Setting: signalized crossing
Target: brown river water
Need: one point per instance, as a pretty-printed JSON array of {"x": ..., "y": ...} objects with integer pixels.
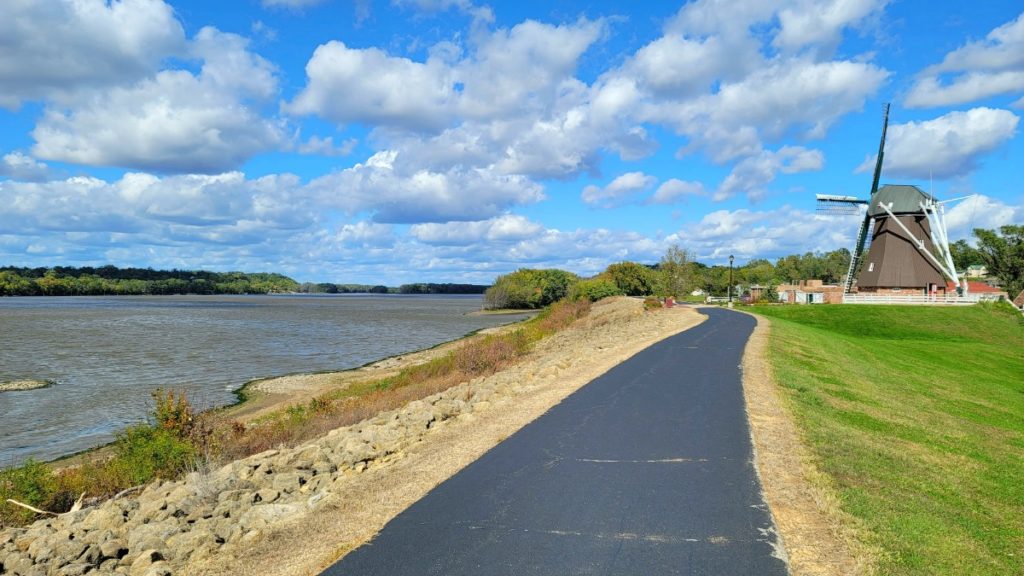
[{"x": 107, "y": 354}]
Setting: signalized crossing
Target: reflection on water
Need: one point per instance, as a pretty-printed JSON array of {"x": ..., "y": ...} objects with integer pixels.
[{"x": 107, "y": 353}]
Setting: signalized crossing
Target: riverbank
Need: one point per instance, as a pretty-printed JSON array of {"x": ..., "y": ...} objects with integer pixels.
[
  {"x": 264, "y": 396},
  {"x": 344, "y": 486},
  {"x": 107, "y": 352}
]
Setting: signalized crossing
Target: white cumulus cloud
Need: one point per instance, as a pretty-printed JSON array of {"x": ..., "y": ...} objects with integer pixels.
[
  {"x": 748, "y": 234},
  {"x": 20, "y": 166},
  {"x": 55, "y": 49},
  {"x": 751, "y": 175},
  {"x": 369, "y": 86},
  {"x": 396, "y": 192},
  {"x": 175, "y": 121},
  {"x": 326, "y": 146},
  {"x": 619, "y": 190},
  {"x": 503, "y": 229},
  {"x": 950, "y": 145},
  {"x": 673, "y": 190},
  {"x": 980, "y": 211},
  {"x": 977, "y": 70}
]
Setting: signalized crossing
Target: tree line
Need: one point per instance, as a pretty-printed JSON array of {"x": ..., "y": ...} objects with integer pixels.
[
  {"x": 111, "y": 280},
  {"x": 417, "y": 288},
  {"x": 677, "y": 274}
]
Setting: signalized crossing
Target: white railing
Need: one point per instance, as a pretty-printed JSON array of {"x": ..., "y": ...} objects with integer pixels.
[
  {"x": 716, "y": 299},
  {"x": 914, "y": 299}
]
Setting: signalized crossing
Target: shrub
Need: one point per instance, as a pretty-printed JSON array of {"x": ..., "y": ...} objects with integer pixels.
[
  {"x": 651, "y": 303},
  {"x": 632, "y": 278},
  {"x": 594, "y": 290},
  {"x": 526, "y": 288},
  {"x": 173, "y": 413},
  {"x": 145, "y": 452},
  {"x": 31, "y": 483}
]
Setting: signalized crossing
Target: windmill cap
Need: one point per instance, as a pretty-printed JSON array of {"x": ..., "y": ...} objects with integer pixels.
[{"x": 905, "y": 199}]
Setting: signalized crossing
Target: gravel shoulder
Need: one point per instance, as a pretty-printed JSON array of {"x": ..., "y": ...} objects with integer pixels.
[{"x": 817, "y": 536}]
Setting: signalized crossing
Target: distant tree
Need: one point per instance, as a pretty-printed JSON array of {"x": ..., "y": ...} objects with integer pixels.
[
  {"x": 716, "y": 280},
  {"x": 677, "y": 272},
  {"x": 964, "y": 255},
  {"x": 527, "y": 288},
  {"x": 760, "y": 272},
  {"x": 835, "y": 265},
  {"x": 1003, "y": 255}
]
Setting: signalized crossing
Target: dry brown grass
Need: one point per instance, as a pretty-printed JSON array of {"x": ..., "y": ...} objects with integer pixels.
[
  {"x": 476, "y": 357},
  {"x": 819, "y": 538}
]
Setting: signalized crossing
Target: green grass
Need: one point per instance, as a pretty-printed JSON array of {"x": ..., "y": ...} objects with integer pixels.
[{"x": 917, "y": 414}]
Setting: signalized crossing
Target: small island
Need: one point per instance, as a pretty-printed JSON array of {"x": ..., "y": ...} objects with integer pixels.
[{"x": 13, "y": 385}]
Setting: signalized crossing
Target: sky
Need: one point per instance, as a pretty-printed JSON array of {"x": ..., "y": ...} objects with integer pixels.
[{"x": 395, "y": 141}]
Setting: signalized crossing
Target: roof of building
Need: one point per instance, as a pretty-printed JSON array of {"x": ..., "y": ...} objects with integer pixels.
[
  {"x": 976, "y": 267},
  {"x": 976, "y": 288},
  {"x": 905, "y": 199},
  {"x": 1019, "y": 300}
]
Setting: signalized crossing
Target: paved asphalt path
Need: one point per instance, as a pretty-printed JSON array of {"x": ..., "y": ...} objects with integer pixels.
[{"x": 646, "y": 470}]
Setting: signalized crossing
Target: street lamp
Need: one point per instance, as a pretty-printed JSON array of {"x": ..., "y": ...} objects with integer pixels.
[{"x": 730, "y": 280}]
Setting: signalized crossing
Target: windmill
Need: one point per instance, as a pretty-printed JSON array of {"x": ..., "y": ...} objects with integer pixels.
[{"x": 909, "y": 246}]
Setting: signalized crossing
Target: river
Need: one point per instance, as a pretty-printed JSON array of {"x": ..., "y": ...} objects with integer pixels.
[{"x": 107, "y": 354}]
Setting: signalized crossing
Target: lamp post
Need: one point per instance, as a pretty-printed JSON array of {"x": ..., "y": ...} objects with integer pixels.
[{"x": 730, "y": 280}]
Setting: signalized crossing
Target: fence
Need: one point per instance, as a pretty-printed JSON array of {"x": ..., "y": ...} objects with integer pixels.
[{"x": 915, "y": 299}]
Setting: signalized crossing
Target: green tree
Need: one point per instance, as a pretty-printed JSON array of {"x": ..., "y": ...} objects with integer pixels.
[
  {"x": 527, "y": 288},
  {"x": 835, "y": 265},
  {"x": 964, "y": 255},
  {"x": 677, "y": 272},
  {"x": 593, "y": 290},
  {"x": 1003, "y": 255},
  {"x": 632, "y": 278},
  {"x": 760, "y": 272}
]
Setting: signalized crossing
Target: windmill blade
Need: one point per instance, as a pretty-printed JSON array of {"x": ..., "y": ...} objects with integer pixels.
[
  {"x": 881, "y": 152},
  {"x": 843, "y": 205}
]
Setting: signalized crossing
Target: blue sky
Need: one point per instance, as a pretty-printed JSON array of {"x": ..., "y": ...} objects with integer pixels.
[{"x": 446, "y": 140}]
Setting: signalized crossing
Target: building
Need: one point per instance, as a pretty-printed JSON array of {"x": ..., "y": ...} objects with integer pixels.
[
  {"x": 977, "y": 271},
  {"x": 981, "y": 289},
  {"x": 810, "y": 292},
  {"x": 894, "y": 264},
  {"x": 1019, "y": 300}
]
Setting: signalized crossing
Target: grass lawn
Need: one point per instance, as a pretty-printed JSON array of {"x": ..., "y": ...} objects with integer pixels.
[{"x": 917, "y": 415}]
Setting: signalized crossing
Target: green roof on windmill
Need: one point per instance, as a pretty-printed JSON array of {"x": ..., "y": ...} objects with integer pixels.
[{"x": 905, "y": 199}]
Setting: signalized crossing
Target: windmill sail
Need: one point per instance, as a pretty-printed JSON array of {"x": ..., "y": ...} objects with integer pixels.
[{"x": 862, "y": 233}]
